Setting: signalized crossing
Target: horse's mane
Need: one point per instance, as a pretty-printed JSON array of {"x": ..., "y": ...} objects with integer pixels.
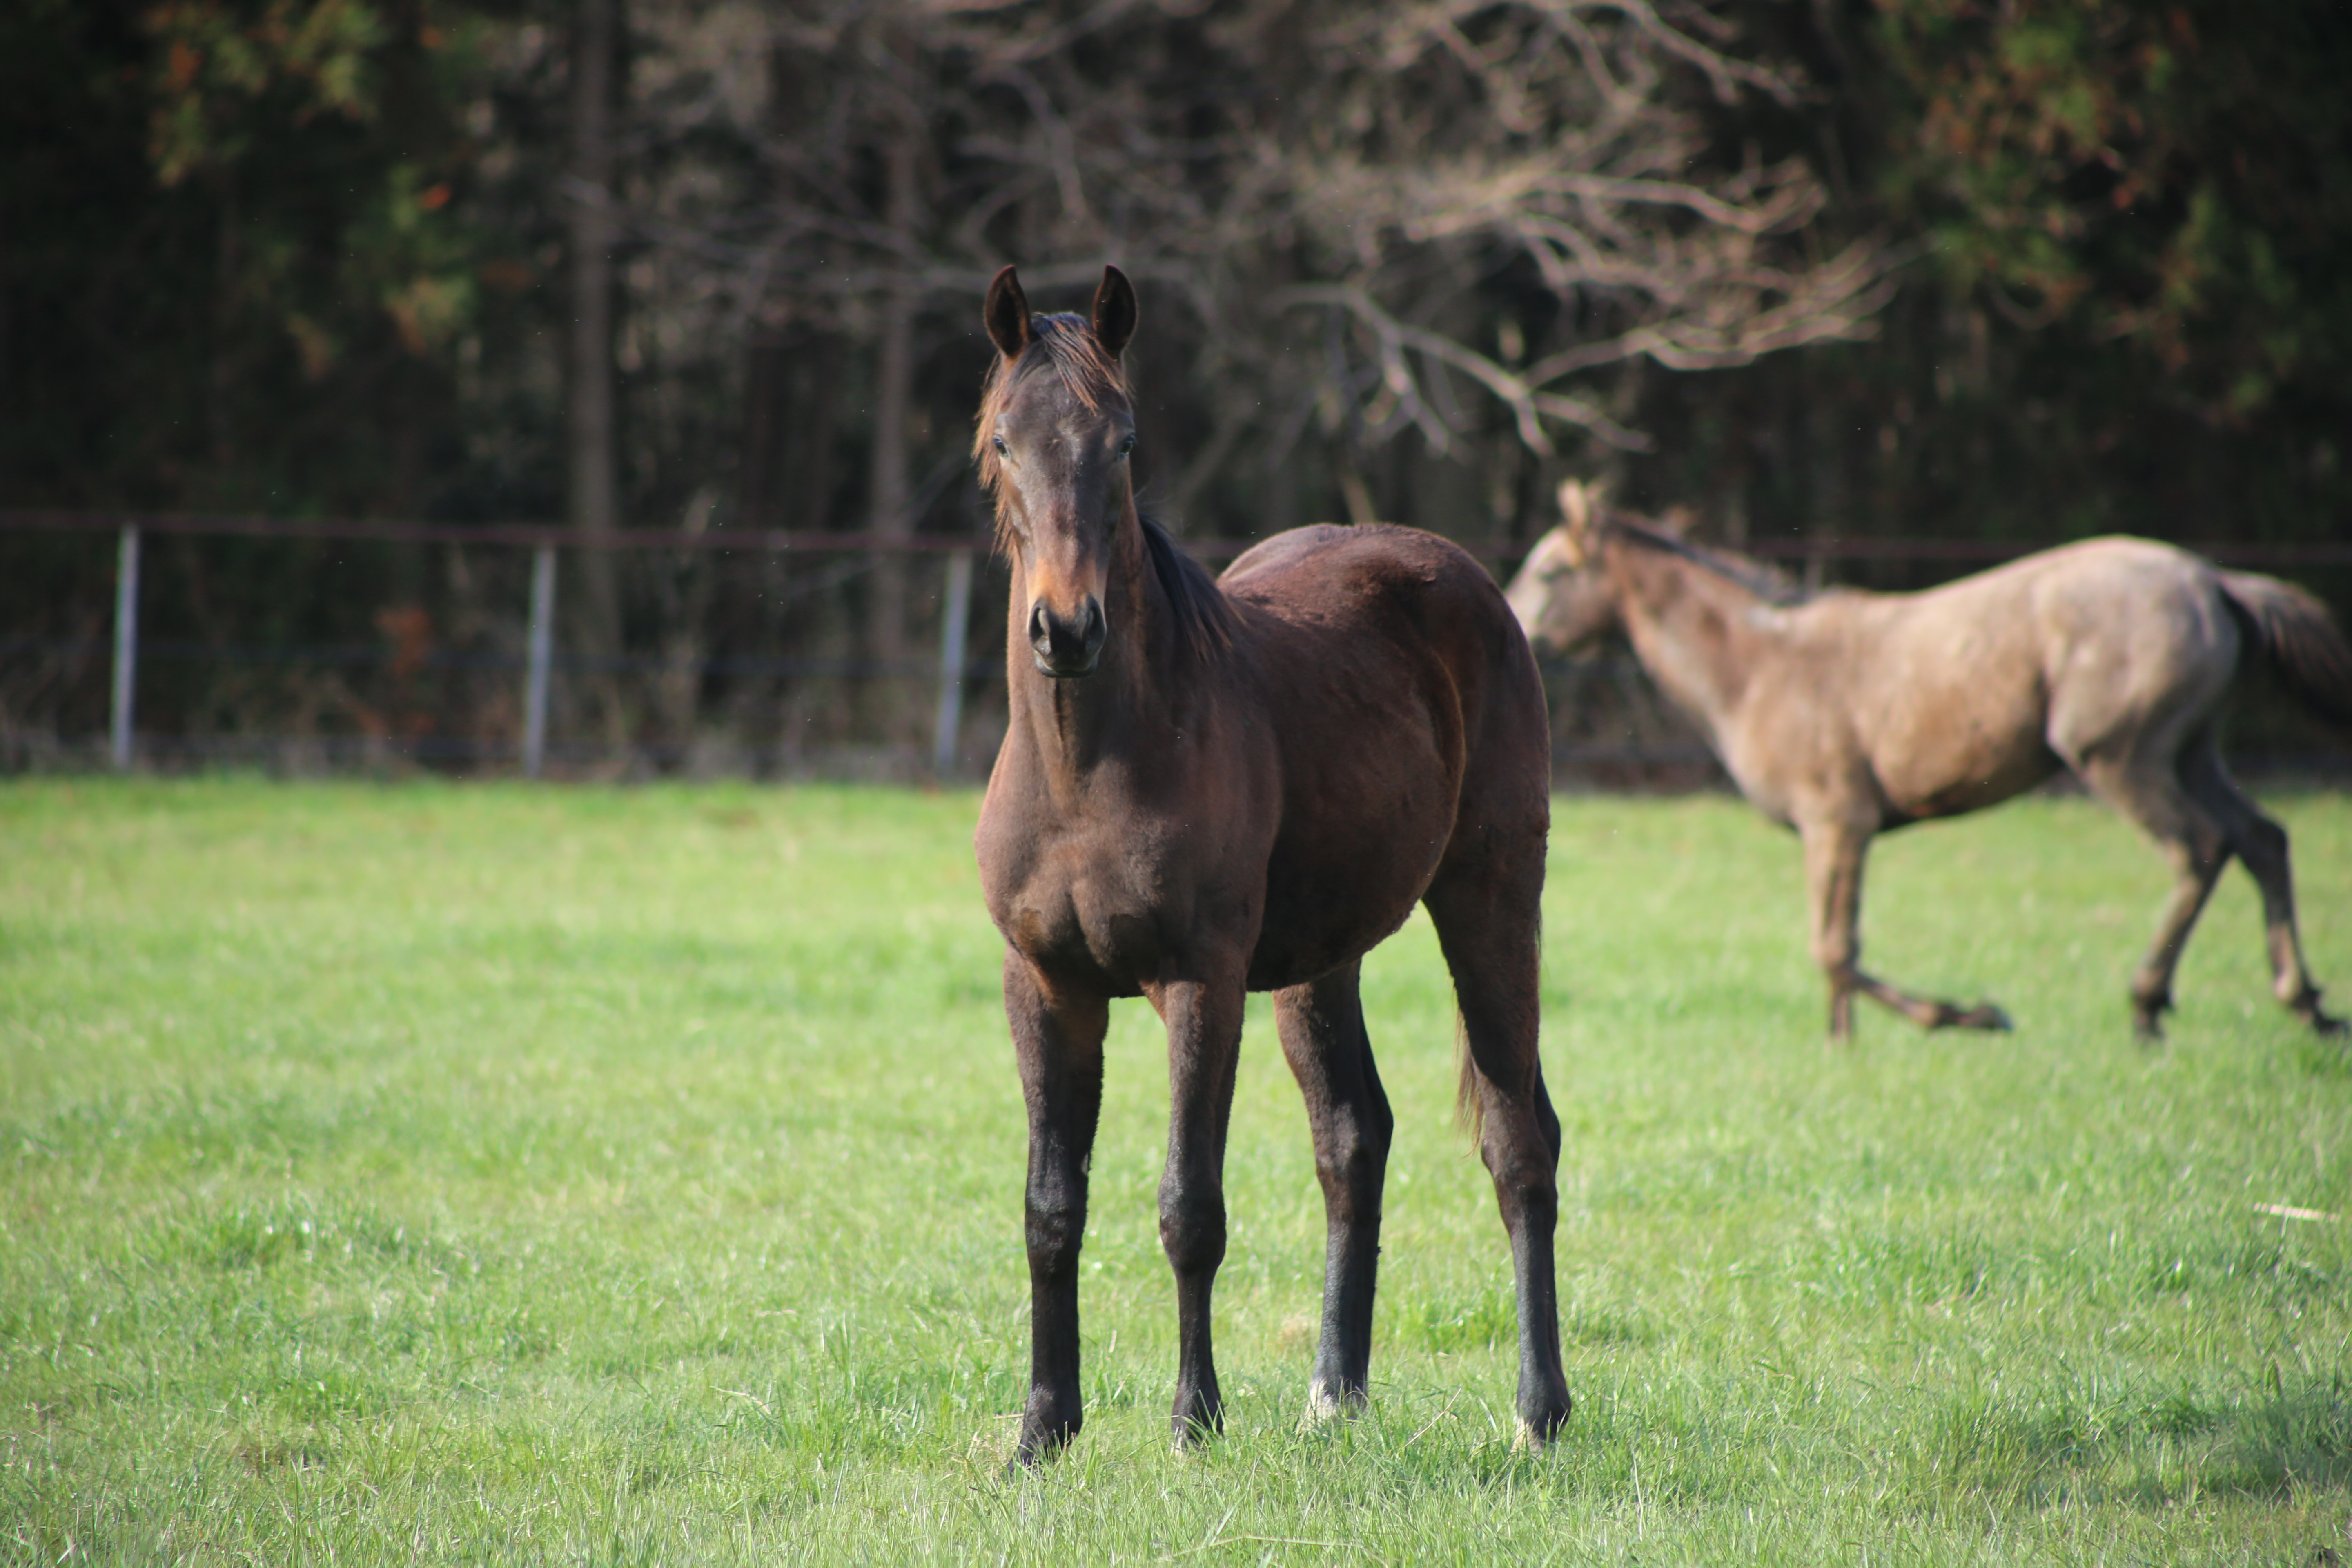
[
  {"x": 1065, "y": 344},
  {"x": 1770, "y": 583},
  {"x": 1203, "y": 616}
]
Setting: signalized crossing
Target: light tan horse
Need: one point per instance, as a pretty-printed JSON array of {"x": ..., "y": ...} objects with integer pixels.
[{"x": 1846, "y": 713}]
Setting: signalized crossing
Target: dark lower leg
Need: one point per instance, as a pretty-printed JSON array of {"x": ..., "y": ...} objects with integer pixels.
[
  {"x": 1523, "y": 1164},
  {"x": 1323, "y": 1038},
  {"x": 1060, "y": 1053},
  {"x": 1203, "y": 1039},
  {"x": 1487, "y": 925}
]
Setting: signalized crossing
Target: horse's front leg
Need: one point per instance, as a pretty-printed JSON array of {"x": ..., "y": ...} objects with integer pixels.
[
  {"x": 1834, "y": 853},
  {"x": 1058, "y": 1040},
  {"x": 1833, "y": 861},
  {"x": 1204, "y": 1031}
]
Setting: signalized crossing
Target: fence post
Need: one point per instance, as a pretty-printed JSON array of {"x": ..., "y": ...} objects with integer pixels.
[
  {"x": 126, "y": 644},
  {"x": 543, "y": 654},
  {"x": 953, "y": 635}
]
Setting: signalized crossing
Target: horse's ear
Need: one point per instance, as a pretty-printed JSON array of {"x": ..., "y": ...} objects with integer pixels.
[
  {"x": 1115, "y": 312},
  {"x": 1007, "y": 315},
  {"x": 1579, "y": 511}
]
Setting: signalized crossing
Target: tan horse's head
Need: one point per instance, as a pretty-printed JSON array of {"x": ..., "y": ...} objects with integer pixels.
[{"x": 1561, "y": 594}]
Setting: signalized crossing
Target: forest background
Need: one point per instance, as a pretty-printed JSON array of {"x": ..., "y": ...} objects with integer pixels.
[{"x": 2018, "y": 272}]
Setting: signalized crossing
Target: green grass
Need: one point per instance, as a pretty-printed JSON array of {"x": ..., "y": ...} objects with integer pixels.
[{"x": 494, "y": 1173}]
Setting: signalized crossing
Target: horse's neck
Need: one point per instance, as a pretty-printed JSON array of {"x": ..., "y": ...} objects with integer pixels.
[
  {"x": 1699, "y": 635},
  {"x": 1119, "y": 715}
]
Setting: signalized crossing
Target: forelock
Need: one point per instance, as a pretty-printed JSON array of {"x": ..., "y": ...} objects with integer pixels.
[{"x": 1065, "y": 344}]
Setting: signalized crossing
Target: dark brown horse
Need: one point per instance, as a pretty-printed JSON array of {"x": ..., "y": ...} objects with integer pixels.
[
  {"x": 1848, "y": 713},
  {"x": 1215, "y": 787}
]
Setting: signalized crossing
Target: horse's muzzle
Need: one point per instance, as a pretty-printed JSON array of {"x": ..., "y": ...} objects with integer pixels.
[{"x": 1067, "y": 648}]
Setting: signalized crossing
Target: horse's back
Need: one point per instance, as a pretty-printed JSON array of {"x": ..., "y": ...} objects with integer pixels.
[
  {"x": 1974, "y": 689},
  {"x": 1364, "y": 601}
]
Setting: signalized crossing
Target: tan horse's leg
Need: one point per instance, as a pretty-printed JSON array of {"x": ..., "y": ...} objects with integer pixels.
[
  {"x": 1833, "y": 856},
  {"x": 2147, "y": 788},
  {"x": 1834, "y": 852},
  {"x": 2261, "y": 843}
]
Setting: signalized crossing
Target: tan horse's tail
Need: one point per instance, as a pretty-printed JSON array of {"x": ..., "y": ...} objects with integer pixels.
[{"x": 2299, "y": 637}]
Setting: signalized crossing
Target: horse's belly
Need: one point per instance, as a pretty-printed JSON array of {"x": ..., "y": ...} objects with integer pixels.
[
  {"x": 1966, "y": 767},
  {"x": 1291, "y": 951},
  {"x": 1327, "y": 903}
]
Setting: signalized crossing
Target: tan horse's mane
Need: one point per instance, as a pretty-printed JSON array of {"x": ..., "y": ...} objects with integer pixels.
[{"x": 1768, "y": 583}]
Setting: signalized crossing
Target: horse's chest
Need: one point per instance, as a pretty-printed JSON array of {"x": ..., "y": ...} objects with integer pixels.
[{"x": 1103, "y": 910}]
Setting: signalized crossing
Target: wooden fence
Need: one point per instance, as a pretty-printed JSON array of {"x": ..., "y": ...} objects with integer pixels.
[{"x": 547, "y": 544}]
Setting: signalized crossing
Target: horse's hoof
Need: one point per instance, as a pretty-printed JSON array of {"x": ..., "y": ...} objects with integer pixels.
[
  {"x": 2147, "y": 1028},
  {"x": 2327, "y": 1026},
  {"x": 1328, "y": 1405},
  {"x": 1538, "y": 1427},
  {"x": 1045, "y": 1431},
  {"x": 1196, "y": 1420},
  {"x": 1985, "y": 1015},
  {"x": 1535, "y": 1438},
  {"x": 1031, "y": 1454}
]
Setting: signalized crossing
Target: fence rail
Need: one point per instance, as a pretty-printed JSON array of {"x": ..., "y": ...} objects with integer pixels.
[
  {"x": 536, "y": 535},
  {"x": 951, "y": 669}
]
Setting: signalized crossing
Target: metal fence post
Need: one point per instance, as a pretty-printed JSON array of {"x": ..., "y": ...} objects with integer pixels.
[
  {"x": 126, "y": 644},
  {"x": 953, "y": 634},
  {"x": 543, "y": 654}
]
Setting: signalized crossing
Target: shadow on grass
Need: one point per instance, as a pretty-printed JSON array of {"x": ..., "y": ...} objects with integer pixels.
[{"x": 2151, "y": 1453}]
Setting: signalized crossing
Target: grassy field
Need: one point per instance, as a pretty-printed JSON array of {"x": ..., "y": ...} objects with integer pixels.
[{"x": 507, "y": 1175}]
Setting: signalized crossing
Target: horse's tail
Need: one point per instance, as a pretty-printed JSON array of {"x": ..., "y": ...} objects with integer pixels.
[
  {"x": 2299, "y": 637},
  {"x": 1469, "y": 1105}
]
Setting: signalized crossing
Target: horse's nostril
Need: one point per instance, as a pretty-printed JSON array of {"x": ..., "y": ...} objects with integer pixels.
[{"x": 1040, "y": 634}]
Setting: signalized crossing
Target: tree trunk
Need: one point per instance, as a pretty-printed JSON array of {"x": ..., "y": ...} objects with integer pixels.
[
  {"x": 891, "y": 517},
  {"x": 594, "y": 492},
  {"x": 762, "y": 474}
]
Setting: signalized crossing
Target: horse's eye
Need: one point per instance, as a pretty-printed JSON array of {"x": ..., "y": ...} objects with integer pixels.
[{"x": 1127, "y": 446}]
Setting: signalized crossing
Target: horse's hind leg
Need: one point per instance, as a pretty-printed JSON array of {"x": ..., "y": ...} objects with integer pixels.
[
  {"x": 1486, "y": 920},
  {"x": 2147, "y": 787},
  {"x": 2262, "y": 843},
  {"x": 1323, "y": 1036}
]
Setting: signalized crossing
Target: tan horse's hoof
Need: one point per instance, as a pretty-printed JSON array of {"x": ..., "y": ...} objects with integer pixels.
[{"x": 1983, "y": 1016}]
